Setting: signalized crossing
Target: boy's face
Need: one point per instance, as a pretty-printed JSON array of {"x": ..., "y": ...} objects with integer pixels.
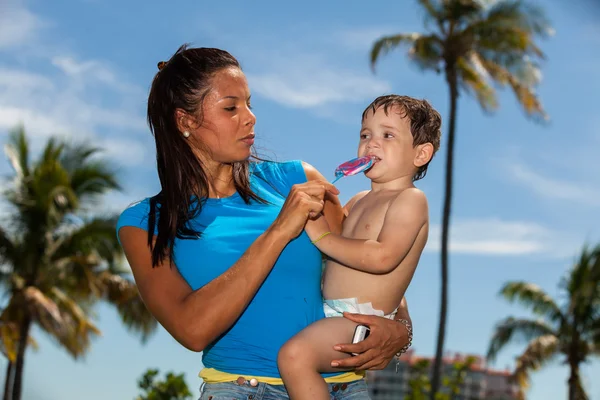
[{"x": 388, "y": 138}]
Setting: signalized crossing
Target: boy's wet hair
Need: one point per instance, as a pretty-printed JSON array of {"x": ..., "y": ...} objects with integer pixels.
[{"x": 425, "y": 121}]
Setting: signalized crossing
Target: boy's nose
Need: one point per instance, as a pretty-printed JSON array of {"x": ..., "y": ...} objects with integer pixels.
[{"x": 373, "y": 144}]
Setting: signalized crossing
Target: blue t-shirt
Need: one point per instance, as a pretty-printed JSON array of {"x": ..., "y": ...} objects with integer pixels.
[{"x": 290, "y": 298}]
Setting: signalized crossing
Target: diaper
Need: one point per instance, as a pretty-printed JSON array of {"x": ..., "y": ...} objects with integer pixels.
[{"x": 335, "y": 308}]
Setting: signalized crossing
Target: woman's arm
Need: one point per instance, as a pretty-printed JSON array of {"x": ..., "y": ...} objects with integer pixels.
[
  {"x": 197, "y": 318},
  {"x": 386, "y": 339}
]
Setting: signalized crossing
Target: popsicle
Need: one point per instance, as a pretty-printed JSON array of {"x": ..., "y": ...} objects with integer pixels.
[{"x": 353, "y": 167}]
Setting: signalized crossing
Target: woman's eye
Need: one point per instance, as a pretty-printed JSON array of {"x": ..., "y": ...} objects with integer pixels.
[
  {"x": 230, "y": 108},
  {"x": 388, "y": 135},
  {"x": 363, "y": 136}
]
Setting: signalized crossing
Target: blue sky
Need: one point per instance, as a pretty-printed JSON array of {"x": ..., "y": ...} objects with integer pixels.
[{"x": 526, "y": 195}]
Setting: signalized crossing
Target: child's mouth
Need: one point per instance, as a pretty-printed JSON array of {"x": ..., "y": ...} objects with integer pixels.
[{"x": 375, "y": 161}]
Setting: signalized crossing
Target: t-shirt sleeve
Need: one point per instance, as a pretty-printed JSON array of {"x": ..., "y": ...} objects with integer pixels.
[
  {"x": 282, "y": 175},
  {"x": 135, "y": 215}
]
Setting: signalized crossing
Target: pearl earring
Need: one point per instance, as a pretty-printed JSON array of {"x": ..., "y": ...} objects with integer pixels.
[{"x": 186, "y": 134}]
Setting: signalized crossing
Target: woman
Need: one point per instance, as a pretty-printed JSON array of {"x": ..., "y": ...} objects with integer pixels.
[{"x": 219, "y": 255}]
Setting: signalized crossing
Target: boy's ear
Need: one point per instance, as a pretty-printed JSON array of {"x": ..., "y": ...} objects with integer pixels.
[{"x": 424, "y": 154}]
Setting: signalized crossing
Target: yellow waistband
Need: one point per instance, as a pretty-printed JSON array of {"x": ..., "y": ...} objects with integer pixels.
[{"x": 211, "y": 375}]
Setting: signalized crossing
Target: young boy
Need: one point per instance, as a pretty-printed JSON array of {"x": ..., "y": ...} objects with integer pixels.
[{"x": 373, "y": 261}]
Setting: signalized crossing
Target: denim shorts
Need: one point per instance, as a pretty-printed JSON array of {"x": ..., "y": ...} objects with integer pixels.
[{"x": 356, "y": 390}]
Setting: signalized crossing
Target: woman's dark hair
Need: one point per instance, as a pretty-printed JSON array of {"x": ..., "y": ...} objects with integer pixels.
[{"x": 183, "y": 83}]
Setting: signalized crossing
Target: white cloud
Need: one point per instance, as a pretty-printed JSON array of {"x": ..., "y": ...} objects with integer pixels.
[
  {"x": 93, "y": 71},
  {"x": 126, "y": 151},
  {"x": 586, "y": 193},
  {"x": 60, "y": 105},
  {"x": 36, "y": 123},
  {"x": 311, "y": 72},
  {"x": 301, "y": 85},
  {"x": 91, "y": 68},
  {"x": 493, "y": 236},
  {"x": 52, "y": 92},
  {"x": 17, "y": 24}
]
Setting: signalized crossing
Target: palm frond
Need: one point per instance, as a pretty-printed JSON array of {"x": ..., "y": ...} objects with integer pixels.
[
  {"x": 585, "y": 270},
  {"x": 44, "y": 311},
  {"x": 433, "y": 12},
  {"x": 522, "y": 88},
  {"x": 459, "y": 13},
  {"x": 583, "y": 287},
  {"x": 45, "y": 192},
  {"x": 427, "y": 53},
  {"x": 384, "y": 45},
  {"x": 96, "y": 235},
  {"x": 79, "y": 252},
  {"x": 539, "y": 352},
  {"x": 56, "y": 315},
  {"x": 9, "y": 339},
  {"x": 474, "y": 81},
  {"x": 516, "y": 13},
  {"x": 509, "y": 27},
  {"x": 77, "y": 154},
  {"x": 534, "y": 298},
  {"x": 78, "y": 330},
  {"x": 75, "y": 275},
  {"x": 509, "y": 47},
  {"x": 7, "y": 249},
  {"x": 52, "y": 151},
  {"x": 124, "y": 295},
  {"x": 17, "y": 152},
  {"x": 511, "y": 329},
  {"x": 9, "y": 335},
  {"x": 93, "y": 179}
]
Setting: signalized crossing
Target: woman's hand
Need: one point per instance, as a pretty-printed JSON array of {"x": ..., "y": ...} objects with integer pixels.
[
  {"x": 387, "y": 337},
  {"x": 304, "y": 201}
]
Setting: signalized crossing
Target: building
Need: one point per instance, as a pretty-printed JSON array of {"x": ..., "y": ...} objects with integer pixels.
[{"x": 481, "y": 382}]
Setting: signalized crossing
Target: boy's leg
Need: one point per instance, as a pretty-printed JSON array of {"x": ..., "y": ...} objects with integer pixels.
[{"x": 311, "y": 351}]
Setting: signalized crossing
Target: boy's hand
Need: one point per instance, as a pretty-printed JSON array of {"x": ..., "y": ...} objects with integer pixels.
[{"x": 317, "y": 227}]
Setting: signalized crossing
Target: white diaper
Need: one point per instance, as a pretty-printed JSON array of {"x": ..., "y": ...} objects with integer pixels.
[{"x": 335, "y": 308}]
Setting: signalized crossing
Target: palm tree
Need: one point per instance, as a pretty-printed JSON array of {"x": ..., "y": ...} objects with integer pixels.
[
  {"x": 58, "y": 258},
  {"x": 570, "y": 329},
  {"x": 475, "y": 43}
]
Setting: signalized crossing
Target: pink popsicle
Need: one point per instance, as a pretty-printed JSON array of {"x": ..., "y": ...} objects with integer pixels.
[{"x": 353, "y": 167}]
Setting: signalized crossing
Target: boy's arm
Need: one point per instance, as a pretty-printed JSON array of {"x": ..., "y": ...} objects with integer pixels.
[{"x": 404, "y": 220}]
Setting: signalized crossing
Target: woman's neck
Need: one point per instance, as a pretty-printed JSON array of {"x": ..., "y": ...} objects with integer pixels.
[{"x": 220, "y": 179}]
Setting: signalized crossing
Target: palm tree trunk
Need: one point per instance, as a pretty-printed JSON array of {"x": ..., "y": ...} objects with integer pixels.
[
  {"x": 439, "y": 352},
  {"x": 576, "y": 392},
  {"x": 19, "y": 363},
  {"x": 8, "y": 381}
]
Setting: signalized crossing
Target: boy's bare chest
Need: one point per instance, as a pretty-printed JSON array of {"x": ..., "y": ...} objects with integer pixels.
[{"x": 366, "y": 218}]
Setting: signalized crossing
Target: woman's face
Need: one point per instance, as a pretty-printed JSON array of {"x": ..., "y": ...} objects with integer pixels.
[{"x": 226, "y": 134}]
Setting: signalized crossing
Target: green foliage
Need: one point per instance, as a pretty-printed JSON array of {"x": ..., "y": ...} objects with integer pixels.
[
  {"x": 420, "y": 386},
  {"x": 173, "y": 387},
  {"x": 59, "y": 255},
  {"x": 569, "y": 328}
]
